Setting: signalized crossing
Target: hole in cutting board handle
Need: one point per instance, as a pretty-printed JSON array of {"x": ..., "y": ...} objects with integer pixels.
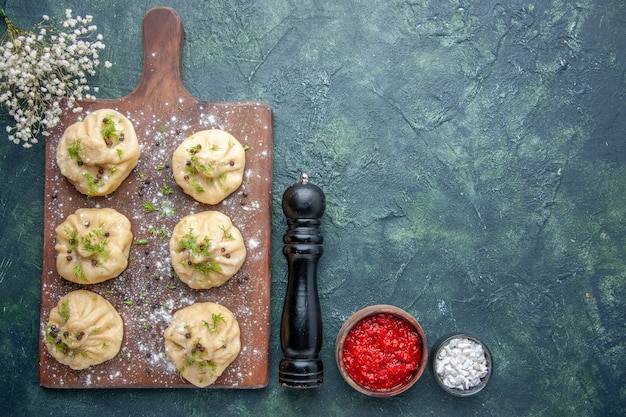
[{"x": 163, "y": 37}]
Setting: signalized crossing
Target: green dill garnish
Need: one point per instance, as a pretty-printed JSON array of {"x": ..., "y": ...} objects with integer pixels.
[
  {"x": 141, "y": 242},
  {"x": 222, "y": 176},
  {"x": 64, "y": 311},
  {"x": 197, "y": 187},
  {"x": 149, "y": 207},
  {"x": 50, "y": 334},
  {"x": 78, "y": 271},
  {"x": 160, "y": 167},
  {"x": 212, "y": 365},
  {"x": 189, "y": 242},
  {"x": 57, "y": 339},
  {"x": 162, "y": 232},
  {"x": 197, "y": 167},
  {"x": 193, "y": 166},
  {"x": 95, "y": 242},
  {"x": 128, "y": 302},
  {"x": 197, "y": 359},
  {"x": 207, "y": 268},
  {"x": 74, "y": 152},
  {"x": 142, "y": 175},
  {"x": 246, "y": 148},
  {"x": 93, "y": 182},
  {"x": 119, "y": 153},
  {"x": 70, "y": 234},
  {"x": 166, "y": 189},
  {"x": 227, "y": 234},
  {"x": 191, "y": 169},
  {"x": 206, "y": 169},
  {"x": 173, "y": 274},
  {"x": 110, "y": 134},
  {"x": 168, "y": 209},
  {"x": 216, "y": 320}
]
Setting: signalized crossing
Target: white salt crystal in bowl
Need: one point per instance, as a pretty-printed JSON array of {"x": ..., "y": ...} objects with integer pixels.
[{"x": 461, "y": 364}]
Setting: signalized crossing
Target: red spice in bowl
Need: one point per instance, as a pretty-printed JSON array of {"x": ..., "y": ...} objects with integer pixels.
[{"x": 381, "y": 351}]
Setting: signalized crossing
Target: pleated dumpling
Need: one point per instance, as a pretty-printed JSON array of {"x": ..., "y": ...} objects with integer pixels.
[
  {"x": 206, "y": 249},
  {"x": 83, "y": 330},
  {"x": 201, "y": 341},
  {"x": 93, "y": 245},
  {"x": 97, "y": 154},
  {"x": 209, "y": 165}
]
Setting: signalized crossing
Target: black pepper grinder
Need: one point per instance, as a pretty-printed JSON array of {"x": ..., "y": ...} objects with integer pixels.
[{"x": 301, "y": 324}]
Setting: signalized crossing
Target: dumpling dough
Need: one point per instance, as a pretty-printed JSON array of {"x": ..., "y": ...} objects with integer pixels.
[
  {"x": 93, "y": 245},
  {"x": 97, "y": 154},
  {"x": 83, "y": 330},
  {"x": 206, "y": 249},
  {"x": 201, "y": 341},
  {"x": 209, "y": 165}
]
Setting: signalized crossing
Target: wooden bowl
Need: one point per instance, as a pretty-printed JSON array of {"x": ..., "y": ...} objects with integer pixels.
[{"x": 393, "y": 362}]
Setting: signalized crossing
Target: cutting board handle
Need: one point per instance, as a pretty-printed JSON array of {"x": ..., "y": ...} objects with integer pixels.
[{"x": 161, "y": 82}]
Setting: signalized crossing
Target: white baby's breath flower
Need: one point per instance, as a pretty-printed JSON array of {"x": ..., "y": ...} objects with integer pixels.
[{"x": 44, "y": 71}]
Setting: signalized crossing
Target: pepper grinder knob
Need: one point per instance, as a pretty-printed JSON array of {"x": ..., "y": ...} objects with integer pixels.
[{"x": 301, "y": 324}]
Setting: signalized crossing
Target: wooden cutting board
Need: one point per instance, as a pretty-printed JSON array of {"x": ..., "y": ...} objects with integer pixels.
[{"x": 164, "y": 113}]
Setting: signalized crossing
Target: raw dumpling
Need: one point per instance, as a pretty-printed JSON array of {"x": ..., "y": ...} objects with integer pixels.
[
  {"x": 201, "y": 341},
  {"x": 97, "y": 154},
  {"x": 209, "y": 165},
  {"x": 83, "y": 330},
  {"x": 93, "y": 245},
  {"x": 206, "y": 249}
]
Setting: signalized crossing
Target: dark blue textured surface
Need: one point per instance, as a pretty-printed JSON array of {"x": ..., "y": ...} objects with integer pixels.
[{"x": 472, "y": 156}]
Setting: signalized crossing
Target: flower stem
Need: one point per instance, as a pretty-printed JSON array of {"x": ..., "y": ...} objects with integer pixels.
[
  {"x": 5, "y": 17},
  {"x": 12, "y": 30}
]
